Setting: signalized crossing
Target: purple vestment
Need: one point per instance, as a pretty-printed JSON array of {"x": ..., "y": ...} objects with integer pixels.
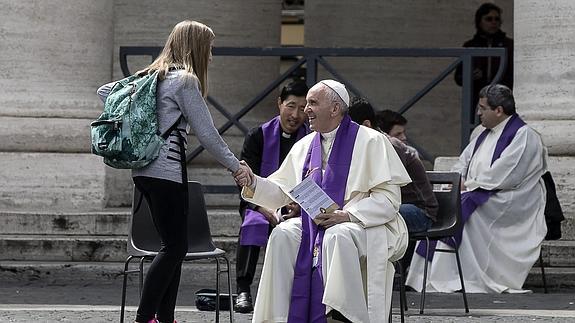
[
  {"x": 470, "y": 201},
  {"x": 255, "y": 227},
  {"x": 307, "y": 291}
]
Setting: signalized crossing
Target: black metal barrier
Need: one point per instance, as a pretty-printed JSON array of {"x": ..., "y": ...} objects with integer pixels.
[{"x": 314, "y": 57}]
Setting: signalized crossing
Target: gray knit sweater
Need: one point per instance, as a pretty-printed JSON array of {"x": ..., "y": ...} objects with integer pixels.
[{"x": 175, "y": 97}]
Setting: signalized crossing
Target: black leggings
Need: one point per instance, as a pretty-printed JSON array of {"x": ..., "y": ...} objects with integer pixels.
[{"x": 168, "y": 205}]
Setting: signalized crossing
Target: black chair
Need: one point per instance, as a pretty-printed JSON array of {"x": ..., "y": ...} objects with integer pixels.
[
  {"x": 144, "y": 242},
  {"x": 545, "y": 290},
  {"x": 553, "y": 218},
  {"x": 447, "y": 224},
  {"x": 402, "y": 297}
]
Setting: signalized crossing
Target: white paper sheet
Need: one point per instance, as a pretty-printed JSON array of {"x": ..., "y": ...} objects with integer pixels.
[{"x": 312, "y": 198}]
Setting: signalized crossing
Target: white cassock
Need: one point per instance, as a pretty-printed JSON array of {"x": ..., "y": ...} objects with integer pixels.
[
  {"x": 502, "y": 239},
  {"x": 358, "y": 255}
]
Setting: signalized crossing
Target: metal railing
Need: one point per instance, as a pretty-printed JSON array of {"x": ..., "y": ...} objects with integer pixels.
[{"x": 314, "y": 57}]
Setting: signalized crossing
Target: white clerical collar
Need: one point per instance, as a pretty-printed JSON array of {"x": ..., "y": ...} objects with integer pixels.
[
  {"x": 330, "y": 135},
  {"x": 499, "y": 128},
  {"x": 286, "y": 135}
]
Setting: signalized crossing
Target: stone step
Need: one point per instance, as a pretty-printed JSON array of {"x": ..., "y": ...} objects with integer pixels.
[
  {"x": 81, "y": 273},
  {"x": 79, "y": 247},
  {"x": 70, "y": 273},
  {"x": 560, "y": 253},
  {"x": 77, "y": 181},
  {"x": 215, "y": 175},
  {"x": 120, "y": 185},
  {"x": 108, "y": 222}
]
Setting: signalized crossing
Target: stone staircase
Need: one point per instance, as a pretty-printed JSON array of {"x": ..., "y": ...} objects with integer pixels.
[
  {"x": 89, "y": 245},
  {"x": 60, "y": 248}
]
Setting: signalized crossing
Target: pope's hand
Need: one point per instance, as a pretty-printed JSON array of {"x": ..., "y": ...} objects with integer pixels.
[
  {"x": 327, "y": 220},
  {"x": 269, "y": 215},
  {"x": 294, "y": 210}
]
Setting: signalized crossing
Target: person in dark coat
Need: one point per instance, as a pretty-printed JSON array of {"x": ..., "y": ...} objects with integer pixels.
[{"x": 488, "y": 23}]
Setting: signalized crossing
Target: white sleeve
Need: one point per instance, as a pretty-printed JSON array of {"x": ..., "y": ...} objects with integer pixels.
[{"x": 520, "y": 160}]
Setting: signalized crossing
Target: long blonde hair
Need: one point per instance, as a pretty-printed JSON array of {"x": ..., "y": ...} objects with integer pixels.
[{"x": 187, "y": 47}]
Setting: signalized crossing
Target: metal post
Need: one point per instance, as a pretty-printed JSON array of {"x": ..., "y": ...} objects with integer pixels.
[{"x": 466, "y": 103}]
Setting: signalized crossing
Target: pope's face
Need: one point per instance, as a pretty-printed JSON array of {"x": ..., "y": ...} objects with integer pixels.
[{"x": 320, "y": 110}]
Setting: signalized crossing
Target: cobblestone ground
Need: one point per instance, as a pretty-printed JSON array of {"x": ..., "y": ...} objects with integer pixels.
[
  {"x": 99, "y": 314},
  {"x": 96, "y": 303}
]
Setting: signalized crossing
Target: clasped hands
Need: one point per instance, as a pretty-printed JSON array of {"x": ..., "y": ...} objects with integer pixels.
[{"x": 244, "y": 175}]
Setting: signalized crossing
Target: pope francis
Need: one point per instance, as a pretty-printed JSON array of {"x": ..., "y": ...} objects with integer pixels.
[{"x": 338, "y": 266}]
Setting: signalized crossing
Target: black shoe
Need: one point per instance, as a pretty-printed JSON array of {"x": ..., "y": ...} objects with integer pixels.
[
  {"x": 338, "y": 316},
  {"x": 244, "y": 303}
]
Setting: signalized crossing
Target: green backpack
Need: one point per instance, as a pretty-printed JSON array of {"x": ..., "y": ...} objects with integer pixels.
[{"x": 126, "y": 134}]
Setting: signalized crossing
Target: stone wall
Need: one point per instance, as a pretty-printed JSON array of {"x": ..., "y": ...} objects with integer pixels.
[
  {"x": 232, "y": 80},
  {"x": 434, "y": 122},
  {"x": 54, "y": 55},
  {"x": 544, "y": 78}
]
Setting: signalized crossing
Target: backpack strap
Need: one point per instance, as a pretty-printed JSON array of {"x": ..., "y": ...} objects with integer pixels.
[
  {"x": 182, "y": 145},
  {"x": 167, "y": 133}
]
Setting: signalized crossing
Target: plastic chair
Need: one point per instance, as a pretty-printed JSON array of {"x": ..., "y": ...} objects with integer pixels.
[
  {"x": 144, "y": 242},
  {"x": 447, "y": 224}
]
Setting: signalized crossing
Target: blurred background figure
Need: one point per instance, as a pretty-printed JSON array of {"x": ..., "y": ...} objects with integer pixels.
[
  {"x": 394, "y": 124},
  {"x": 488, "y": 23}
]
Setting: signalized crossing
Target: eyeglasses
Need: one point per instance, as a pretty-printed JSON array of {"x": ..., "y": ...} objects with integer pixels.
[{"x": 491, "y": 18}]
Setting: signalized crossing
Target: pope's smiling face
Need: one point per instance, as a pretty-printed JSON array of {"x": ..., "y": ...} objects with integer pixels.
[{"x": 322, "y": 113}]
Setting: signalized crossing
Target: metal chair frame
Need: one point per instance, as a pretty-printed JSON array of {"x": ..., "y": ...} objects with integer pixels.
[
  {"x": 449, "y": 221},
  {"x": 144, "y": 243}
]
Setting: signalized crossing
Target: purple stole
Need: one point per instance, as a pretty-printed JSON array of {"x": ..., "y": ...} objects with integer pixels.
[
  {"x": 307, "y": 291},
  {"x": 472, "y": 200},
  {"x": 255, "y": 227}
]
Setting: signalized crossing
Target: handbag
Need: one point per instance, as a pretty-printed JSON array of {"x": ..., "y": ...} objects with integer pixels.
[{"x": 206, "y": 300}]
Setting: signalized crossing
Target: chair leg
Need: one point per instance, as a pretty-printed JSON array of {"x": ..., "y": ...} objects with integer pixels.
[
  {"x": 217, "y": 290},
  {"x": 124, "y": 286},
  {"x": 230, "y": 290},
  {"x": 461, "y": 280},
  {"x": 398, "y": 268},
  {"x": 422, "y": 301},
  {"x": 543, "y": 274},
  {"x": 402, "y": 288},
  {"x": 402, "y": 297},
  {"x": 141, "y": 275}
]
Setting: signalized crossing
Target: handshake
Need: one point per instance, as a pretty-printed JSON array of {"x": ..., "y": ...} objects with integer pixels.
[{"x": 244, "y": 176}]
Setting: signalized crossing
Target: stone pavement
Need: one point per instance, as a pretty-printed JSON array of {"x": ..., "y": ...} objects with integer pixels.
[{"x": 94, "y": 303}]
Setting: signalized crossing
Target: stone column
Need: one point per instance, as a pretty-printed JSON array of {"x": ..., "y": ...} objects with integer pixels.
[
  {"x": 53, "y": 56},
  {"x": 544, "y": 77},
  {"x": 434, "y": 122},
  {"x": 234, "y": 81}
]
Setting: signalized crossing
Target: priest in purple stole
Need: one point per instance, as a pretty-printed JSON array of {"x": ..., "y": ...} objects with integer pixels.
[
  {"x": 502, "y": 202},
  {"x": 264, "y": 149},
  {"x": 339, "y": 265}
]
